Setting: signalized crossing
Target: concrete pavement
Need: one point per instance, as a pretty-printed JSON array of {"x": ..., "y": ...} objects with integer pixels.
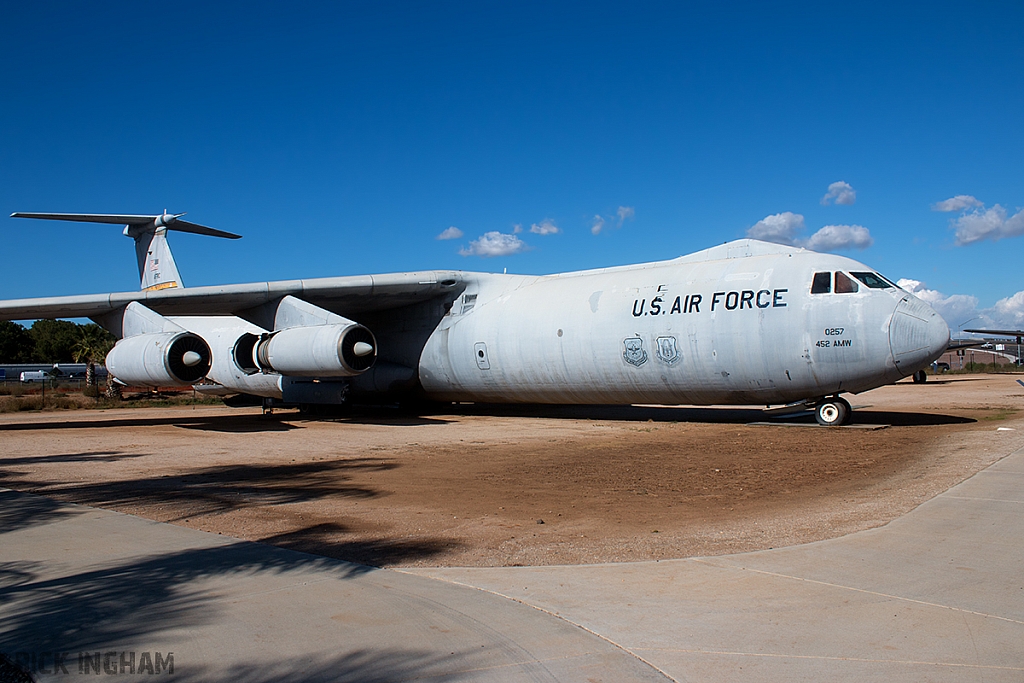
[
  {"x": 81, "y": 580},
  {"x": 937, "y": 595}
]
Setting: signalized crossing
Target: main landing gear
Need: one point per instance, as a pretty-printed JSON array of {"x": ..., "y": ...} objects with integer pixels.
[{"x": 833, "y": 412}]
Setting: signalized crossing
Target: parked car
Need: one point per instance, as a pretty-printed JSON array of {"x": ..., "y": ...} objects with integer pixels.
[{"x": 940, "y": 367}]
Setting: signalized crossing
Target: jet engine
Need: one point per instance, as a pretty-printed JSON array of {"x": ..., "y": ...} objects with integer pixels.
[
  {"x": 337, "y": 350},
  {"x": 160, "y": 359}
]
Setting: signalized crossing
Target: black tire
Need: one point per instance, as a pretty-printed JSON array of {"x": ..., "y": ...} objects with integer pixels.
[
  {"x": 834, "y": 412},
  {"x": 920, "y": 377}
]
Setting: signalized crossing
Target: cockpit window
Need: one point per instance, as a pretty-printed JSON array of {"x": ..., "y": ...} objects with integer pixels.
[
  {"x": 891, "y": 283},
  {"x": 872, "y": 280},
  {"x": 822, "y": 283},
  {"x": 844, "y": 285}
]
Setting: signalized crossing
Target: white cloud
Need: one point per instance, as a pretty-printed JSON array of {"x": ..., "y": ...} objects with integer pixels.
[
  {"x": 840, "y": 192},
  {"x": 837, "y": 237},
  {"x": 494, "y": 243},
  {"x": 516, "y": 229},
  {"x": 1010, "y": 311},
  {"x": 781, "y": 228},
  {"x": 961, "y": 310},
  {"x": 954, "y": 309},
  {"x": 451, "y": 233},
  {"x": 988, "y": 224},
  {"x": 622, "y": 214},
  {"x": 546, "y": 227},
  {"x": 957, "y": 203},
  {"x": 785, "y": 228}
]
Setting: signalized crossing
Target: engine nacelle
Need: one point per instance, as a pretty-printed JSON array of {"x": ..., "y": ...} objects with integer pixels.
[
  {"x": 339, "y": 350},
  {"x": 163, "y": 359}
]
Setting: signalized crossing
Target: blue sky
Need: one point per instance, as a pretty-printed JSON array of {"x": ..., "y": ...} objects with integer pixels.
[{"x": 344, "y": 138}]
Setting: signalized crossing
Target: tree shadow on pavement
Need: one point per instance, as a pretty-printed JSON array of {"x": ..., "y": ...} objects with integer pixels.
[
  {"x": 21, "y": 511},
  {"x": 384, "y": 665},
  {"x": 116, "y": 604},
  {"x": 328, "y": 539}
]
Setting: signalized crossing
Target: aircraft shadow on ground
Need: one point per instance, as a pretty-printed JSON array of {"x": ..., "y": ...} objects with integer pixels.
[
  {"x": 241, "y": 423},
  {"x": 711, "y": 415},
  {"x": 386, "y": 417},
  {"x": 899, "y": 419},
  {"x": 223, "y": 423}
]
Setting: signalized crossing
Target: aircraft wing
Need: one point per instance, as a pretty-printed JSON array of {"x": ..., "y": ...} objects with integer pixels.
[
  {"x": 999, "y": 333},
  {"x": 342, "y": 295},
  {"x": 958, "y": 344}
]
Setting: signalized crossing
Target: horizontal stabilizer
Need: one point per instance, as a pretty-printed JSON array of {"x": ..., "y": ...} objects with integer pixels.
[
  {"x": 166, "y": 220},
  {"x": 157, "y": 269}
]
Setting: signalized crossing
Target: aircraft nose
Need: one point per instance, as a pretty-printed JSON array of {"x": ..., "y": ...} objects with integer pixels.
[{"x": 917, "y": 335}]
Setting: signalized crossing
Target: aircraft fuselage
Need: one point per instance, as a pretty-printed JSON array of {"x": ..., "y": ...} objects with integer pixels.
[{"x": 692, "y": 330}]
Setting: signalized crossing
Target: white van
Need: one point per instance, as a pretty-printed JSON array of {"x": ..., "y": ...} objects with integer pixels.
[{"x": 34, "y": 376}]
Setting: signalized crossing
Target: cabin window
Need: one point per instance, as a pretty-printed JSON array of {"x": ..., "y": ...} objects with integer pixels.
[
  {"x": 822, "y": 283},
  {"x": 844, "y": 285},
  {"x": 872, "y": 280}
]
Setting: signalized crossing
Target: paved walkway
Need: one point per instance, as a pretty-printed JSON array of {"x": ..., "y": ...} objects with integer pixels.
[
  {"x": 76, "y": 579},
  {"x": 937, "y": 595}
]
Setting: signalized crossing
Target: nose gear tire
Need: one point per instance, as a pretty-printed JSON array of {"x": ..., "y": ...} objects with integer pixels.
[{"x": 835, "y": 412}]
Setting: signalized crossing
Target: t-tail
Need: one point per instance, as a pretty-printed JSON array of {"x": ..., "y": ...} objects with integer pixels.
[{"x": 157, "y": 269}]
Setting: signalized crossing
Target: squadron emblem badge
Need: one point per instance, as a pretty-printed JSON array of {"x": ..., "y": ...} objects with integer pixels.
[
  {"x": 634, "y": 353},
  {"x": 668, "y": 352}
]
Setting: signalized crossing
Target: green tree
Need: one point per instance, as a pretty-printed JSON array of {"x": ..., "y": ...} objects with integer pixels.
[
  {"x": 54, "y": 341},
  {"x": 91, "y": 347},
  {"x": 16, "y": 344}
]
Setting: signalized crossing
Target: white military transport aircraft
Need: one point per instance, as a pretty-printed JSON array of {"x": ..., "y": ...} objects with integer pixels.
[{"x": 747, "y": 322}]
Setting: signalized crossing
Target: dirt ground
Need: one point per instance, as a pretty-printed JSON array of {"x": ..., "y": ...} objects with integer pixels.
[{"x": 482, "y": 485}]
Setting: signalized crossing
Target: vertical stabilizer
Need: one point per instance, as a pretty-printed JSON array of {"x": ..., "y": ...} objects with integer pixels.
[{"x": 156, "y": 264}]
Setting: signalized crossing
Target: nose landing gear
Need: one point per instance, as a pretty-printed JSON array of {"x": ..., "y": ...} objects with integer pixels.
[{"x": 833, "y": 412}]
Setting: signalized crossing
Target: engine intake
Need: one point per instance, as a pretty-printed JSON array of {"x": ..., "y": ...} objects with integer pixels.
[
  {"x": 164, "y": 359},
  {"x": 340, "y": 350}
]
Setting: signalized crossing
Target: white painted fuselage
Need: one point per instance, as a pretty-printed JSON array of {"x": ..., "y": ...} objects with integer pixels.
[{"x": 734, "y": 324}]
